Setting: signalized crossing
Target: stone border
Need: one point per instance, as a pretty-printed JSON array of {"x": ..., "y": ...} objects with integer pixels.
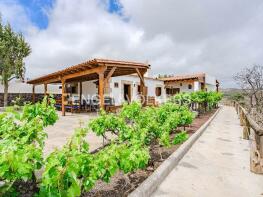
[{"x": 157, "y": 177}]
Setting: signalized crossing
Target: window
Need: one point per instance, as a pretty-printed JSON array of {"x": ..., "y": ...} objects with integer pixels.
[
  {"x": 158, "y": 91},
  {"x": 172, "y": 91},
  {"x": 116, "y": 85},
  {"x": 181, "y": 84},
  {"x": 190, "y": 86}
]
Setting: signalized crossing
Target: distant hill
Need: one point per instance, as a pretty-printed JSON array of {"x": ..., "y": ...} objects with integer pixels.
[{"x": 230, "y": 90}]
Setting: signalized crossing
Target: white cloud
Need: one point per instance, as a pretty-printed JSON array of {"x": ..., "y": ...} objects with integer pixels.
[
  {"x": 16, "y": 15},
  {"x": 174, "y": 36}
]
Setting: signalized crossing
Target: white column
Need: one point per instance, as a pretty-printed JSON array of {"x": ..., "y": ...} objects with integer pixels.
[{"x": 196, "y": 86}]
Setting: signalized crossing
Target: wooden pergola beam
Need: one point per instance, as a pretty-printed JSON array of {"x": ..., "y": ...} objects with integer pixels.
[
  {"x": 125, "y": 66},
  {"x": 85, "y": 72},
  {"x": 80, "y": 94},
  {"x": 107, "y": 78},
  {"x": 142, "y": 86},
  {"x": 101, "y": 89},
  {"x": 110, "y": 73},
  {"x": 63, "y": 100},
  {"x": 45, "y": 89},
  {"x": 141, "y": 75}
]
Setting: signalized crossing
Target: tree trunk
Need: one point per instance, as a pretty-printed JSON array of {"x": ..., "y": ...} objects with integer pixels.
[{"x": 5, "y": 94}]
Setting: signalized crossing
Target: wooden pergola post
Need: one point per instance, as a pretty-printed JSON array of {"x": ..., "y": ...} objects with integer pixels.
[
  {"x": 33, "y": 94},
  {"x": 107, "y": 79},
  {"x": 63, "y": 100},
  {"x": 142, "y": 86},
  {"x": 45, "y": 89},
  {"x": 80, "y": 94},
  {"x": 101, "y": 89}
]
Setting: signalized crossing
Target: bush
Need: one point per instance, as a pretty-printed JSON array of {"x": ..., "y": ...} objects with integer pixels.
[{"x": 180, "y": 137}]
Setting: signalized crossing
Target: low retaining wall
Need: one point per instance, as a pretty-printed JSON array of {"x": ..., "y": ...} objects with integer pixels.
[
  {"x": 153, "y": 181},
  {"x": 24, "y": 97}
]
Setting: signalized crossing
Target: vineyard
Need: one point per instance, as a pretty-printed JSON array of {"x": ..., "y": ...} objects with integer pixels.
[{"x": 73, "y": 170}]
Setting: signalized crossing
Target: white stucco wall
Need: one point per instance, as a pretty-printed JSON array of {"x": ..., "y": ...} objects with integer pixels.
[
  {"x": 210, "y": 83},
  {"x": 184, "y": 87},
  {"x": 89, "y": 89},
  {"x": 16, "y": 86},
  {"x": 197, "y": 86},
  {"x": 134, "y": 81}
]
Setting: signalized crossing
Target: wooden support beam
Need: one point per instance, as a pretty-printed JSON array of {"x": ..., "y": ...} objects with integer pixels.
[
  {"x": 52, "y": 80},
  {"x": 110, "y": 73},
  {"x": 126, "y": 66},
  {"x": 85, "y": 72},
  {"x": 63, "y": 96},
  {"x": 106, "y": 80},
  {"x": 141, "y": 75},
  {"x": 101, "y": 89},
  {"x": 45, "y": 89},
  {"x": 80, "y": 94},
  {"x": 143, "y": 89},
  {"x": 33, "y": 94}
]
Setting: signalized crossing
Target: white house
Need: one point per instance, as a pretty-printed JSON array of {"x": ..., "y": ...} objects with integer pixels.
[
  {"x": 16, "y": 86},
  {"x": 190, "y": 83},
  {"x": 127, "y": 88},
  {"x": 122, "y": 89}
]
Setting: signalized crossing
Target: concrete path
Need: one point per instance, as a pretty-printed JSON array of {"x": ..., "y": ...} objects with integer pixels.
[
  {"x": 63, "y": 129},
  {"x": 217, "y": 165}
]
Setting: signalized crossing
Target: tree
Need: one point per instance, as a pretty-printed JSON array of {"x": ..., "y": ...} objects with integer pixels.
[
  {"x": 251, "y": 82},
  {"x": 13, "y": 50}
]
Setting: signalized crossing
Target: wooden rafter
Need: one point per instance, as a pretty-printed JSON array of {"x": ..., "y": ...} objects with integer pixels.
[
  {"x": 110, "y": 73},
  {"x": 140, "y": 75},
  {"x": 83, "y": 73}
]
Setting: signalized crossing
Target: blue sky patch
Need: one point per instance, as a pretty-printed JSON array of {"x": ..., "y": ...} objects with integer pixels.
[
  {"x": 36, "y": 11},
  {"x": 115, "y": 7}
]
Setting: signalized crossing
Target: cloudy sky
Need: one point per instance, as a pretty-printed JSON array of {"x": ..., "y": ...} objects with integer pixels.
[{"x": 218, "y": 37}]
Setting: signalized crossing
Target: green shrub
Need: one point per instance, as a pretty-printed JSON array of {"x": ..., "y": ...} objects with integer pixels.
[{"x": 180, "y": 137}]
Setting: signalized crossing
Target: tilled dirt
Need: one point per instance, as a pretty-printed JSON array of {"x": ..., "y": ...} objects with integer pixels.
[{"x": 121, "y": 185}]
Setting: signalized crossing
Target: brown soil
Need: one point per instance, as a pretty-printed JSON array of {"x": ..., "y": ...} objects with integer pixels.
[{"x": 121, "y": 185}]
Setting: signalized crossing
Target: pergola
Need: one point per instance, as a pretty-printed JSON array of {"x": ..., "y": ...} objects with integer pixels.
[{"x": 101, "y": 69}]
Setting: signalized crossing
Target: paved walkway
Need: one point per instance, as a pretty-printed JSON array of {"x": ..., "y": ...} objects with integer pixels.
[
  {"x": 217, "y": 165},
  {"x": 63, "y": 129}
]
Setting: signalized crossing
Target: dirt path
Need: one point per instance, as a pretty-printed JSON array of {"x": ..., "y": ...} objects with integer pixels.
[{"x": 216, "y": 165}]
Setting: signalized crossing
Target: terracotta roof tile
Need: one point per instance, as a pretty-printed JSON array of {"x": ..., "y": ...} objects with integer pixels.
[{"x": 183, "y": 77}]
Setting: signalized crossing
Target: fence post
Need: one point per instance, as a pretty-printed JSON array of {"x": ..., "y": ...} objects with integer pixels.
[
  {"x": 242, "y": 118},
  {"x": 256, "y": 154},
  {"x": 246, "y": 128}
]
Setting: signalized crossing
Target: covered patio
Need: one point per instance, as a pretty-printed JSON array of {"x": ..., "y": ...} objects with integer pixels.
[{"x": 96, "y": 69}]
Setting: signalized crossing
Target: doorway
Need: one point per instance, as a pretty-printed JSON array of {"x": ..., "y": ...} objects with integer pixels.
[{"x": 127, "y": 92}]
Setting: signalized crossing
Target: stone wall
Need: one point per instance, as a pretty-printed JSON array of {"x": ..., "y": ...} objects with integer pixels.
[{"x": 25, "y": 97}]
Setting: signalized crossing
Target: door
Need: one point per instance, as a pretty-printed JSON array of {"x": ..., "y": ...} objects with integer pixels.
[{"x": 127, "y": 92}]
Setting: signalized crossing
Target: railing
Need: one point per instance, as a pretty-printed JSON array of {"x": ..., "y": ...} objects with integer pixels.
[{"x": 253, "y": 132}]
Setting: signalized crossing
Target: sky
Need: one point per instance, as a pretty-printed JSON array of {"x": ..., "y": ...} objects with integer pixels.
[{"x": 176, "y": 37}]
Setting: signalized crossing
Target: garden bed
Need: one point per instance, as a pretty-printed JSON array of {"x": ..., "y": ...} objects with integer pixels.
[
  {"x": 122, "y": 185},
  {"x": 141, "y": 131}
]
